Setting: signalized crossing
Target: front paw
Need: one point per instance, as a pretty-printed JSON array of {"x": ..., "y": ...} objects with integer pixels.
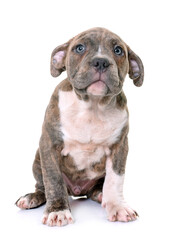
[
  {"x": 119, "y": 212},
  {"x": 59, "y": 218}
]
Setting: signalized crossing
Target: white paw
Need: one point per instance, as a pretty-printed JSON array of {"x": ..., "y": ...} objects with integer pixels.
[
  {"x": 59, "y": 218},
  {"x": 25, "y": 203},
  {"x": 122, "y": 212}
]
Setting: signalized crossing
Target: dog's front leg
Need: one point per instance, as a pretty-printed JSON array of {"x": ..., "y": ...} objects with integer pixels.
[
  {"x": 57, "y": 210},
  {"x": 113, "y": 200}
]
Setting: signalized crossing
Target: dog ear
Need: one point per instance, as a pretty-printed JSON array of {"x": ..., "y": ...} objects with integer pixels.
[
  {"x": 136, "y": 68},
  {"x": 57, "y": 63}
]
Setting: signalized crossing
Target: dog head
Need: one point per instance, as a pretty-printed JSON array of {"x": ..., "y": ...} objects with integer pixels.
[{"x": 97, "y": 62}]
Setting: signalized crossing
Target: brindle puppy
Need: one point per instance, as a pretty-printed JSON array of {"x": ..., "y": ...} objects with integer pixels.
[{"x": 84, "y": 145}]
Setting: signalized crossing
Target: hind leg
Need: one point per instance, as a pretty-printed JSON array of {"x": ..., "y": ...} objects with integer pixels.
[
  {"x": 96, "y": 193},
  {"x": 33, "y": 200}
]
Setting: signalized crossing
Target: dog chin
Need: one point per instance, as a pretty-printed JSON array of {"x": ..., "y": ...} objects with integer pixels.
[{"x": 97, "y": 88}]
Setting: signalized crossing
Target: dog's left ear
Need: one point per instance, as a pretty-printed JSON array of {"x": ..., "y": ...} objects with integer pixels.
[
  {"x": 136, "y": 68},
  {"x": 57, "y": 63}
]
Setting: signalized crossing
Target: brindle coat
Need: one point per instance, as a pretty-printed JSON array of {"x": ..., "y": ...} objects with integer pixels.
[{"x": 57, "y": 174}]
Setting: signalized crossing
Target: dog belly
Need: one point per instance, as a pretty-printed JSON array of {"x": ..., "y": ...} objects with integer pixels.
[
  {"x": 81, "y": 187},
  {"x": 85, "y": 156},
  {"x": 88, "y": 132},
  {"x": 83, "y": 167}
]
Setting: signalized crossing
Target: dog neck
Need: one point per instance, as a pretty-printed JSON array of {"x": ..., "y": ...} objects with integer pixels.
[{"x": 96, "y": 100}]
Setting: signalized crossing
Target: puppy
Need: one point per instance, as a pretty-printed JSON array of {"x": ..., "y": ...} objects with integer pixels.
[{"x": 84, "y": 145}]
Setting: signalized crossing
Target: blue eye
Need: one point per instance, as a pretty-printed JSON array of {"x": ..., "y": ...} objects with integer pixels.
[
  {"x": 80, "y": 48},
  {"x": 118, "y": 50}
]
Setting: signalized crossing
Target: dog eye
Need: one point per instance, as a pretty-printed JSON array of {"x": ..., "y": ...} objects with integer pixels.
[
  {"x": 80, "y": 48},
  {"x": 118, "y": 50}
]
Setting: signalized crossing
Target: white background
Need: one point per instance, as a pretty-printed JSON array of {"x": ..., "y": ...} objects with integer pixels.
[{"x": 30, "y": 30}]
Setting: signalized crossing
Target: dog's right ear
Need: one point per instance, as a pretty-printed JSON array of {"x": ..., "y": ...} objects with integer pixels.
[{"x": 57, "y": 63}]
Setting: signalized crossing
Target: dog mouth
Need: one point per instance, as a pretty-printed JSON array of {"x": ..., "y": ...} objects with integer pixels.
[
  {"x": 97, "y": 84},
  {"x": 97, "y": 88}
]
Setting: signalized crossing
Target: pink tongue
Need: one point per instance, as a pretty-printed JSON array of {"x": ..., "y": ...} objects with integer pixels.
[{"x": 97, "y": 88}]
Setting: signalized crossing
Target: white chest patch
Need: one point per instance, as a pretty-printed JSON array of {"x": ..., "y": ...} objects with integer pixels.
[{"x": 88, "y": 130}]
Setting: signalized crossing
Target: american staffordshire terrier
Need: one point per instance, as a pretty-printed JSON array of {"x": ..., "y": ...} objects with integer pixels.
[{"x": 84, "y": 145}]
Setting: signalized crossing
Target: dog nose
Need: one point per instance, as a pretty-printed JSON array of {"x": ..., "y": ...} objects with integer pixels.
[{"x": 100, "y": 64}]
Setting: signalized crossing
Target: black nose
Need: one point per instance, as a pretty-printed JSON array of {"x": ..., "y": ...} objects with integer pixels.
[{"x": 100, "y": 64}]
